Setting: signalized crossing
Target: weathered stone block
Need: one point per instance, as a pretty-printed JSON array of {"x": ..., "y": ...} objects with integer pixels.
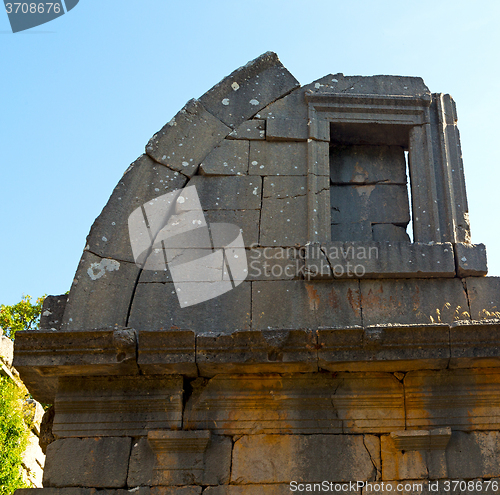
[
  {"x": 167, "y": 352},
  {"x": 248, "y": 89},
  {"x": 229, "y": 158},
  {"x": 156, "y": 307},
  {"x": 46, "y": 436},
  {"x": 142, "y": 463},
  {"x": 284, "y": 211},
  {"x": 412, "y": 301},
  {"x": 385, "y": 348},
  {"x": 353, "y": 231},
  {"x": 284, "y": 129},
  {"x": 239, "y": 404},
  {"x": 389, "y": 232},
  {"x": 475, "y": 344},
  {"x": 369, "y": 402},
  {"x": 473, "y": 455},
  {"x": 143, "y": 181},
  {"x": 186, "y": 140},
  {"x": 80, "y": 462},
  {"x": 253, "y": 130},
  {"x": 470, "y": 259},
  {"x": 117, "y": 406},
  {"x": 484, "y": 297},
  {"x": 305, "y": 305},
  {"x": 367, "y": 164},
  {"x": 100, "y": 294},
  {"x": 217, "y": 464},
  {"x": 401, "y": 465},
  {"x": 179, "y": 456},
  {"x": 277, "y": 158},
  {"x": 53, "y": 311},
  {"x": 275, "y": 263},
  {"x": 376, "y": 203},
  {"x": 464, "y": 399},
  {"x": 276, "y": 351},
  {"x": 380, "y": 260},
  {"x": 311, "y": 458},
  {"x": 246, "y": 220},
  {"x": 297, "y": 403},
  {"x": 228, "y": 193},
  {"x": 77, "y": 352}
]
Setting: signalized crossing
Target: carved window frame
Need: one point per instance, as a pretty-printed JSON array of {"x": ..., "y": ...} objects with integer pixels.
[{"x": 430, "y": 223}]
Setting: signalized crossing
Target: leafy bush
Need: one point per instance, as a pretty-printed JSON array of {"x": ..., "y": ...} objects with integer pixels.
[
  {"x": 13, "y": 436},
  {"x": 21, "y": 316}
]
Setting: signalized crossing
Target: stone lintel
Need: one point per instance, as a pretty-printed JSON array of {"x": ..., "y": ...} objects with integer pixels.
[
  {"x": 409, "y": 440},
  {"x": 379, "y": 260}
]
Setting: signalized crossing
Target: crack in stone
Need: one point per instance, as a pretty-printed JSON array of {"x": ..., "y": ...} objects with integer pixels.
[{"x": 377, "y": 472}]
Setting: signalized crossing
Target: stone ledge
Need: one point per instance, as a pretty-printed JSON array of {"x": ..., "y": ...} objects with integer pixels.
[
  {"x": 379, "y": 260},
  {"x": 41, "y": 357}
]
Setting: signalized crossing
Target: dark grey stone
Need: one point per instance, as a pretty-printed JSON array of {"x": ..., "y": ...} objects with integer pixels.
[
  {"x": 412, "y": 301},
  {"x": 246, "y": 220},
  {"x": 475, "y": 344},
  {"x": 267, "y": 351},
  {"x": 384, "y": 348},
  {"x": 473, "y": 455},
  {"x": 484, "y": 297},
  {"x": 284, "y": 129},
  {"x": 367, "y": 165},
  {"x": 389, "y": 232},
  {"x": 144, "y": 180},
  {"x": 186, "y": 140},
  {"x": 383, "y": 259},
  {"x": 294, "y": 105},
  {"x": 217, "y": 467},
  {"x": 229, "y": 158},
  {"x": 167, "y": 352},
  {"x": 142, "y": 463},
  {"x": 470, "y": 260},
  {"x": 305, "y": 304},
  {"x": 284, "y": 211},
  {"x": 228, "y": 193},
  {"x": 381, "y": 203},
  {"x": 352, "y": 231},
  {"x": 94, "y": 462},
  {"x": 100, "y": 294},
  {"x": 253, "y": 130},
  {"x": 156, "y": 306},
  {"x": 277, "y": 158},
  {"x": 275, "y": 263},
  {"x": 248, "y": 89},
  {"x": 53, "y": 311},
  {"x": 46, "y": 436}
]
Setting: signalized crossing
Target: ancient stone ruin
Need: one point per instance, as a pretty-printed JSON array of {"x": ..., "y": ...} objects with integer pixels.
[{"x": 360, "y": 345}]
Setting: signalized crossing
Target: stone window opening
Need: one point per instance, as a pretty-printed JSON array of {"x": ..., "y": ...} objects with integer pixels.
[{"x": 370, "y": 198}]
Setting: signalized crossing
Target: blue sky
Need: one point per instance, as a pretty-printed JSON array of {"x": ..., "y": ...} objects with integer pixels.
[{"x": 81, "y": 96}]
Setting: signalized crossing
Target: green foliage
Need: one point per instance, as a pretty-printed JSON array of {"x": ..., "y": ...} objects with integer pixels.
[
  {"x": 21, "y": 316},
  {"x": 13, "y": 436}
]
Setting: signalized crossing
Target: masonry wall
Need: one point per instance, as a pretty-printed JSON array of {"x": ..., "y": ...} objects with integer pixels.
[{"x": 307, "y": 371}]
